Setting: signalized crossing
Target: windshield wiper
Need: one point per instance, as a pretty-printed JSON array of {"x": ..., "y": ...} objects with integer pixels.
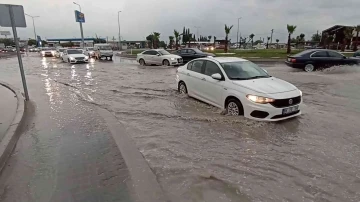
[{"x": 257, "y": 77}]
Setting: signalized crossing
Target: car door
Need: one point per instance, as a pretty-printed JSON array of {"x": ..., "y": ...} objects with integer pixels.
[
  {"x": 65, "y": 55},
  {"x": 212, "y": 88},
  {"x": 184, "y": 54},
  {"x": 320, "y": 59},
  {"x": 194, "y": 76},
  {"x": 152, "y": 57},
  {"x": 337, "y": 58},
  {"x": 157, "y": 58}
]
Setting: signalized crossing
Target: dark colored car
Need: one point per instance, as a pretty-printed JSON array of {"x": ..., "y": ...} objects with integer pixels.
[
  {"x": 189, "y": 54},
  {"x": 357, "y": 54},
  {"x": 310, "y": 60}
]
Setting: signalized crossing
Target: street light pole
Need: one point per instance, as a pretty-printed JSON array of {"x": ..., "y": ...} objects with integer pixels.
[
  {"x": 237, "y": 36},
  {"x": 33, "y": 23},
  {"x": 120, "y": 48},
  {"x": 81, "y": 28}
]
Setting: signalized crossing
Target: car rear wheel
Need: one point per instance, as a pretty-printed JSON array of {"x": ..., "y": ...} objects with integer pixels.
[
  {"x": 182, "y": 88},
  {"x": 142, "y": 62},
  {"x": 166, "y": 63},
  {"x": 68, "y": 60},
  {"x": 234, "y": 107},
  {"x": 309, "y": 68}
]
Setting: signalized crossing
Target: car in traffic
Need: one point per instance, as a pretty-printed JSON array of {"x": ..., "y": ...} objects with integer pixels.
[
  {"x": 103, "y": 50},
  {"x": 310, "y": 60},
  {"x": 239, "y": 86},
  {"x": 59, "y": 52},
  {"x": 47, "y": 52},
  {"x": 189, "y": 54},
  {"x": 74, "y": 56},
  {"x": 357, "y": 54},
  {"x": 89, "y": 51},
  {"x": 158, "y": 57}
]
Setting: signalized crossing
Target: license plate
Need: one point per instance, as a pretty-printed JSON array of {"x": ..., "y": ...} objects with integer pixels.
[{"x": 290, "y": 110}]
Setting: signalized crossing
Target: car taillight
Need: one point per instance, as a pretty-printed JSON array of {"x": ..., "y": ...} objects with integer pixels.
[{"x": 293, "y": 60}]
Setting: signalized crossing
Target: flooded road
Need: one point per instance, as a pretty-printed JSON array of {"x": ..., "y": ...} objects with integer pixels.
[{"x": 198, "y": 154}]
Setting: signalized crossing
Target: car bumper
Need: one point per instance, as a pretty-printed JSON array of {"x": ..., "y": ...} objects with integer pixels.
[
  {"x": 273, "y": 113},
  {"x": 79, "y": 61},
  {"x": 106, "y": 55},
  {"x": 294, "y": 65},
  {"x": 176, "y": 62}
]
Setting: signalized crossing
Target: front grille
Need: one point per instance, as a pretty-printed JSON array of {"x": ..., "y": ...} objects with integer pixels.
[
  {"x": 80, "y": 58},
  {"x": 280, "y": 103},
  {"x": 285, "y": 115},
  {"x": 259, "y": 114}
]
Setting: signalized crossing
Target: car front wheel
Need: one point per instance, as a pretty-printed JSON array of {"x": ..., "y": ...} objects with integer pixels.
[
  {"x": 182, "y": 88},
  {"x": 166, "y": 63},
  {"x": 234, "y": 107},
  {"x": 142, "y": 62}
]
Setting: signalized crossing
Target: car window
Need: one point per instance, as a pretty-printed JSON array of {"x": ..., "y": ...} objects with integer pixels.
[
  {"x": 320, "y": 54},
  {"x": 357, "y": 54},
  {"x": 189, "y": 66},
  {"x": 191, "y": 51},
  {"x": 153, "y": 52},
  {"x": 146, "y": 53},
  {"x": 211, "y": 68},
  {"x": 184, "y": 51},
  {"x": 335, "y": 54},
  {"x": 197, "y": 66}
]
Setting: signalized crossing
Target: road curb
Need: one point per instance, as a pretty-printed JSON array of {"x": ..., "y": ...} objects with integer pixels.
[
  {"x": 12, "y": 134},
  {"x": 144, "y": 181}
]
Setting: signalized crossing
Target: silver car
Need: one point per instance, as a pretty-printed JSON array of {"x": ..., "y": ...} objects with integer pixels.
[{"x": 158, "y": 57}]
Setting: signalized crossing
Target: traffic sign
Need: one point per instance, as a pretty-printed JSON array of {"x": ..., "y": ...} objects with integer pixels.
[
  {"x": 79, "y": 16},
  {"x": 19, "y": 16}
]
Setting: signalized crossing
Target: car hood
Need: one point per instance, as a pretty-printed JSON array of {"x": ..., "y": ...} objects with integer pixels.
[
  {"x": 171, "y": 56},
  {"x": 266, "y": 85},
  {"x": 76, "y": 55}
]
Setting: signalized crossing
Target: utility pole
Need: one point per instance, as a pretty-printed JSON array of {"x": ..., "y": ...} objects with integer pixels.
[
  {"x": 237, "y": 36},
  {"x": 272, "y": 31},
  {"x": 197, "y": 31},
  {"x": 120, "y": 47},
  {"x": 33, "y": 23}
]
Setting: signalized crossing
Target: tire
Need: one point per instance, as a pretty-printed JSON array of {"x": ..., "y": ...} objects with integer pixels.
[
  {"x": 110, "y": 58},
  {"x": 68, "y": 60},
  {"x": 166, "y": 63},
  {"x": 309, "y": 68},
  {"x": 182, "y": 88},
  {"x": 234, "y": 107},
  {"x": 142, "y": 62}
]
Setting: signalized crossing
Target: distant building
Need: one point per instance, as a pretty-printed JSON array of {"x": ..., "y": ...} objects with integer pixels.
[{"x": 337, "y": 31}]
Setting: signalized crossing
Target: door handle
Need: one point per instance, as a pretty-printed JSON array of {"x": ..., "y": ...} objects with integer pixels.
[
  {"x": 203, "y": 79},
  {"x": 188, "y": 74}
]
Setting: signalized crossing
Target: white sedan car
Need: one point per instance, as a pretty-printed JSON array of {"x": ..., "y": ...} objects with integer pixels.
[
  {"x": 239, "y": 86},
  {"x": 74, "y": 56},
  {"x": 158, "y": 57}
]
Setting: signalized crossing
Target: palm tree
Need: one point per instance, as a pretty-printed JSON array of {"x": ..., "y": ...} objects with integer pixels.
[
  {"x": 227, "y": 32},
  {"x": 156, "y": 39},
  {"x": 291, "y": 30},
  {"x": 277, "y": 43},
  {"x": 251, "y": 36},
  {"x": 348, "y": 34},
  {"x": 171, "y": 41},
  {"x": 267, "y": 42},
  {"x": 177, "y": 39},
  {"x": 209, "y": 38},
  {"x": 302, "y": 38},
  {"x": 150, "y": 40},
  {"x": 357, "y": 29}
]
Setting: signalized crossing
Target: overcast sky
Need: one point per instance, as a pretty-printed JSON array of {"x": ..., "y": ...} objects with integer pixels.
[{"x": 141, "y": 17}]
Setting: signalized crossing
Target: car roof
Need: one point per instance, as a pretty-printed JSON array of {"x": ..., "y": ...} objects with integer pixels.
[
  {"x": 72, "y": 49},
  {"x": 228, "y": 59}
]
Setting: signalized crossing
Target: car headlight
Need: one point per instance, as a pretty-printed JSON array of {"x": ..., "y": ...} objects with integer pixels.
[
  {"x": 71, "y": 58},
  {"x": 259, "y": 99},
  {"x": 172, "y": 58},
  {"x": 86, "y": 57},
  {"x": 43, "y": 52},
  {"x": 212, "y": 48}
]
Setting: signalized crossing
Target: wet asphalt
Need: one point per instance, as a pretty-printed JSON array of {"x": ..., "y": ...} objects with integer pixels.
[{"x": 197, "y": 153}]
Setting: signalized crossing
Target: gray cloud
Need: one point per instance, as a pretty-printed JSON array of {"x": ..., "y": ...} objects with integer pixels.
[{"x": 141, "y": 17}]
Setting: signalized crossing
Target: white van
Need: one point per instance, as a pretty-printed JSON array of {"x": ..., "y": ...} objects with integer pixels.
[{"x": 102, "y": 50}]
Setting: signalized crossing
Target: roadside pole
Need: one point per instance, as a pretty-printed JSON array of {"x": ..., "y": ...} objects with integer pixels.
[
  {"x": 15, "y": 12},
  {"x": 82, "y": 35}
]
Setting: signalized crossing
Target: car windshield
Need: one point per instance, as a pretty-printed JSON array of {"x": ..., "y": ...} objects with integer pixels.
[
  {"x": 104, "y": 47},
  {"x": 75, "y": 51},
  {"x": 61, "y": 49},
  {"x": 243, "y": 70},
  {"x": 164, "y": 52}
]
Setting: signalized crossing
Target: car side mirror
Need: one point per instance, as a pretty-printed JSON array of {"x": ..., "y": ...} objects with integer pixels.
[
  {"x": 216, "y": 76},
  {"x": 158, "y": 54}
]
